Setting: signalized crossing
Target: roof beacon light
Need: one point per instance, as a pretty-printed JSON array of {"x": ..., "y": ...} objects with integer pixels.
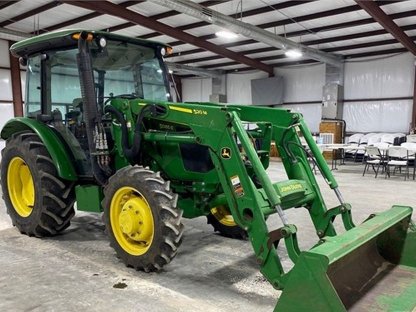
[
  {"x": 76, "y": 36},
  {"x": 293, "y": 53},
  {"x": 226, "y": 34}
]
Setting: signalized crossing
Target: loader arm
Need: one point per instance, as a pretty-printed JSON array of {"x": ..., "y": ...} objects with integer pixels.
[
  {"x": 341, "y": 268},
  {"x": 220, "y": 129}
]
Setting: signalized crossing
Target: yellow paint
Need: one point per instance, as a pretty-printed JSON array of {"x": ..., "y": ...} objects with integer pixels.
[
  {"x": 131, "y": 220},
  {"x": 20, "y": 187},
  {"x": 181, "y": 109},
  {"x": 223, "y": 215},
  {"x": 291, "y": 187},
  {"x": 200, "y": 112}
]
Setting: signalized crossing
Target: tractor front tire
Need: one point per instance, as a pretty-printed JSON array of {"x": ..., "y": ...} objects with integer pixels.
[
  {"x": 37, "y": 200},
  {"x": 141, "y": 218},
  {"x": 223, "y": 222}
]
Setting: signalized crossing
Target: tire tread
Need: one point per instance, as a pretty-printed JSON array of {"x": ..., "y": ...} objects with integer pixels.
[{"x": 54, "y": 197}]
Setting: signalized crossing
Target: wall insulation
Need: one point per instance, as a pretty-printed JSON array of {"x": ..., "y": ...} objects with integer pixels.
[
  {"x": 303, "y": 84},
  {"x": 196, "y": 89},
  {"x": 311, "y": 113},
  {"x": 239, "y": 86},
  {"x": 387, "y": 77},
  {"x": 379, "y": 116}
]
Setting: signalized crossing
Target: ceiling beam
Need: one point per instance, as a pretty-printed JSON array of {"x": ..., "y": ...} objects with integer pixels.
[
  {"x": 312, "y": 42},
  {"x": 83, "y": 18},
  {"x": 305, "y": 32},
  {"x": 289, "y": 21},
  {"x": 365, "y": 45},
  {"x": 13, "y": 35},
  {"x": 5, "y": 4},
  {"x": 347, "y": 56},
  {"x": 291, "y": 63},
  {"x": 71, "y": 22},
  {"x": 376, "y": 53},
  {"x": 247, "y": 30},
  {"x": 384, "y": 20},
  {"x": 110, "y": 8},
  {"x": 265, "y": 9},
  {"x": 30, "y": 13},
  {"x": 160, "y": 16},
  {"x": 332, "y": 49},
  {"x": 297, "y": 19},
  {"x": 194, "y": 70}
]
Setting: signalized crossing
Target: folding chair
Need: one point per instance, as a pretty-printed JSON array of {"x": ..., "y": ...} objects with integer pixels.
[
  {"x": 411, "y": 148},
  {"x": 398, "y": 157},
  {"x": 352, "y": 141},
  {"x": 373, "y": 158}
]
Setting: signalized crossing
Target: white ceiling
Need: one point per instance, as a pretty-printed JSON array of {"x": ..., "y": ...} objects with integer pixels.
[{"x": 65, "y": 12}]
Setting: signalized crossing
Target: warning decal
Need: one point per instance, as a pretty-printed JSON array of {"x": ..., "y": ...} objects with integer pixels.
[{"x": 238, "y": 189}]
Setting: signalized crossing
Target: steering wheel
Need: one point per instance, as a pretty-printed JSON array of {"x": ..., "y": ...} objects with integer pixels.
[{"x": 128, "y": 96}]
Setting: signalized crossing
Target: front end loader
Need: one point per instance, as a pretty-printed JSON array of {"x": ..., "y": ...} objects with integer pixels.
[{"x": 100, "y": 130}]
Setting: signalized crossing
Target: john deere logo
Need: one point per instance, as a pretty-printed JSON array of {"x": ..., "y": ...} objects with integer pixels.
[{"x": 226, "y": 153}]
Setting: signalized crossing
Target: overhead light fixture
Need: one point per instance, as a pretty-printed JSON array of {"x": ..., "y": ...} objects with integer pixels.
[
  {"x": 293, "y": 53},
  {"x": 226, "y": 34}
]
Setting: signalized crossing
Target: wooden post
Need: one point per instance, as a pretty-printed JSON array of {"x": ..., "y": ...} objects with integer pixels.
[
  {"x": 16, "y": 84},
  {"x": 413, "y": 125},
  {"x": 178, "y": 83}
]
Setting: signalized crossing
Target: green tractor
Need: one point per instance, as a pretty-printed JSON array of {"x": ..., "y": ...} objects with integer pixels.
[{"x": 100, "y": 130}]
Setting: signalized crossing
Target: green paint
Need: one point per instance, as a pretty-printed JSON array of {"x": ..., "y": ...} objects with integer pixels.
[
  {"x": 89, "y": 198},
  {"x": 194, "y": 146},
  {"x": 232, "y": 178},
  {"x": 59, "y": 154},
  {"x": 371, "y": 251}
]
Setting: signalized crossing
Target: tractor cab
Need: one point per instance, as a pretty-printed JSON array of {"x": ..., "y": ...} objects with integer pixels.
[
  {"x": 131, "y": 68},
  {"x": 120, "y": 67}
]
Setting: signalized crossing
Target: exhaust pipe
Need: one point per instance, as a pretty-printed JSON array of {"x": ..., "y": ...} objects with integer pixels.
[{"x": 89, "y": 104}]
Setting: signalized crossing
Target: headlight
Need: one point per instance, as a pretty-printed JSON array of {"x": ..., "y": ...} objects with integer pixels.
[{"x": 102, "y": 42}]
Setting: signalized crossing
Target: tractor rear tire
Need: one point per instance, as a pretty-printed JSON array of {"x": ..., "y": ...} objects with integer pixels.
[
  {"x": 141, "y": 218},
  {"x": 37, "y": 200},
  {"x": 222, "y": 221}
]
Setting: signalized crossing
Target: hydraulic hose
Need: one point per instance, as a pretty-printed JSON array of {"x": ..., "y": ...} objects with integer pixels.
[{"x": 131, "y": 153}]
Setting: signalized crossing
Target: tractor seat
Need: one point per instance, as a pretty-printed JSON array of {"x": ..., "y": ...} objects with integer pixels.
[{"x": 44, "y": 118}]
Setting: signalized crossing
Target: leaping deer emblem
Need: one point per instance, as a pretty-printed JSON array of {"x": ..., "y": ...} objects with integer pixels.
[{"x": 226, "y": 153}]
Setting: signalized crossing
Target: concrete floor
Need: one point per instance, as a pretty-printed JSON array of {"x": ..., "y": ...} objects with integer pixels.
[{"x": 78, "y": 271}]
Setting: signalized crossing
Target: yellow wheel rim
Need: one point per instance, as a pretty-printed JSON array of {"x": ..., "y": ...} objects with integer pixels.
[
  {"x": 131, "y": 221},
  {"x": 223, "y": 215},
  {"x": 21, "y": 187}
]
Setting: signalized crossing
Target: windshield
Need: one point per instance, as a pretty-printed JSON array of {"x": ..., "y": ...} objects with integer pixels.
[
  {"x": 127, "y": 69},
  {"x": 120, "y": 69}
]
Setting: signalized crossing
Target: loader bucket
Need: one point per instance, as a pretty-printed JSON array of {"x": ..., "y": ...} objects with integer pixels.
[{"x": 371, "y": 267}]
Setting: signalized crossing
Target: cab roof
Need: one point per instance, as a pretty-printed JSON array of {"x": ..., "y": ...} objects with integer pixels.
[{"x": 64, "y": 39}]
